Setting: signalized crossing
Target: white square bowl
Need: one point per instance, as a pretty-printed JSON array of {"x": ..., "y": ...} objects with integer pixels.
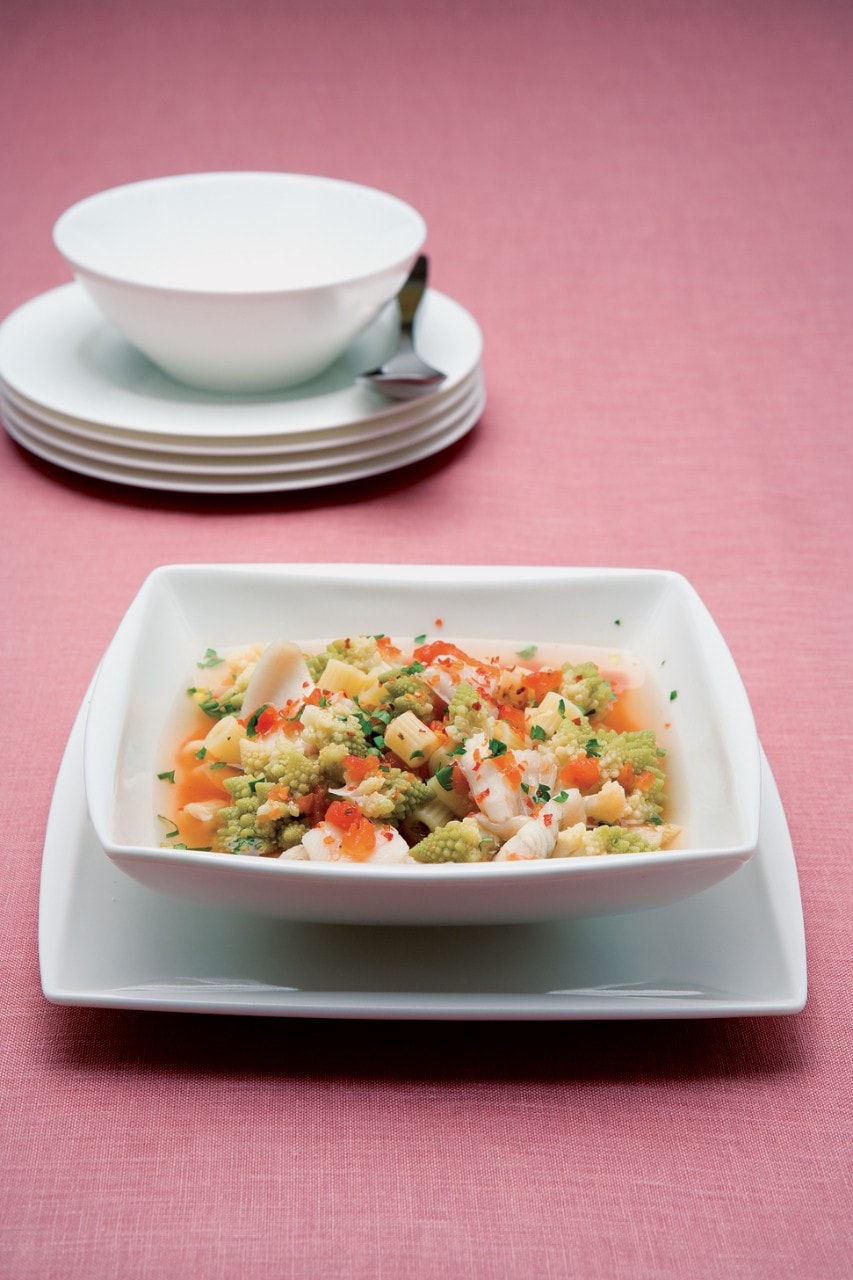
[{"x": 694, "y": 693}]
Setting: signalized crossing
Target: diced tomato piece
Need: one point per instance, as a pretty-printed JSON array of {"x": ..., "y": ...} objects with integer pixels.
[
  {"x": 514, "y": 717},
  {"x": 626, "y": 777},
  {"x": 538, "y": 683},
  {"x": 342, "y": 814},
  {"x": 359, "y": 839},
  {"x": 427, "y": 653},
  {"x": 357, "y": 768},
  {"x": 582, "y": 772},
  {"x": 508, "y": 766}
]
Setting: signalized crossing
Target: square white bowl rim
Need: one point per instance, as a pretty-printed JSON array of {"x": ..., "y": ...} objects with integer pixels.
[{"x": 190, "y": 597}]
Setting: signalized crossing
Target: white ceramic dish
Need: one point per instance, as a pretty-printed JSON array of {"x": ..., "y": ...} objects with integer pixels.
[
  {"x": 708, "y": 731},
  {"x": 374, "y": 434},
  {"x": 257, "y": 464},
  {"x": 58, "y": 353},
  {"x": 291, "y": 474},
  {"x": 241, "y": 281},
  {"x": 736, "y": 950}
]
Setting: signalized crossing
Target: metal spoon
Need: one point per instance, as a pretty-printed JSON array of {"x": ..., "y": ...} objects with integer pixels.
[{"x": 405, "y": 375}]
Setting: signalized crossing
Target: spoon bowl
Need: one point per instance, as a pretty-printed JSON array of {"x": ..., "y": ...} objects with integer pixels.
[{"x": 405, "y": 376}]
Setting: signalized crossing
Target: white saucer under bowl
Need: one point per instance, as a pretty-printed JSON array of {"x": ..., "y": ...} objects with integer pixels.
[{"x": 57, "y": 352}]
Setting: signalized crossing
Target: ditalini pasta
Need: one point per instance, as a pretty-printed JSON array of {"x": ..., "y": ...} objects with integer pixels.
[{"x": 376, "y": 750}]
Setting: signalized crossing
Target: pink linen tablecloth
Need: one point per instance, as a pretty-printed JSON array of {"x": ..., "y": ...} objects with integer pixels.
[{"x": 648, "y": 207}]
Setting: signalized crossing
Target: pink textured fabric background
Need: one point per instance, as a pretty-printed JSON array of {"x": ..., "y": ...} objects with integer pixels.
[{"x": 648, "y": 206}]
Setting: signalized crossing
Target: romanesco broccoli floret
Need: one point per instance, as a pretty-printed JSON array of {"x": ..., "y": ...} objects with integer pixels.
[
  {"x": 274, "y": 760},
  {"x": 239, "y": 830},
  {"x": 358, "y": 651},
  {"x": 469, "y": 713},
  {"x": 606, "y": 840},
  {"x": 457, "y": 841},
  {"x": 637, "y": 748},
  {"x": 572, "y": 736},
  {"x": 390, "y": 794},
  {"x": 334, "y": 725},
  {"x": 584, "y": 685},
  {"x": 403, "y": 690}
]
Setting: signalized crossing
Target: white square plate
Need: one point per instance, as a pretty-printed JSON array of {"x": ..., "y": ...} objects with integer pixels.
[{"x": 735, "y": 950}]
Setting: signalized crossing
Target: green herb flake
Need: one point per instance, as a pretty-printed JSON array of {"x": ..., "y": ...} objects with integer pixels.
[
  {"x": 561, "y": 798},
  {"x": 592, "y": 747},
  {"x": 167, "y": 777},
  {"x": 219, "y": 764},
  {"x": 421, "y": 638},
  {"x": 416, "y": 755},
  {"x": 655, "y": 820},
  {"x": 496, "y": 747},
  {"x": 252, "y": 725},
  {"x": 170, "y": 822},
  {"x": 529, "y": 651},
  {"x": 543, "y": 794},
  {"x": 617, "y": 622},
  {"x": 537, "y": 733},
  {"x": 211, "y": 659},
  {"x": 444, "y": 777},
  {"x": 201, "y": 753},
  {"x": 673, "y": 694}
]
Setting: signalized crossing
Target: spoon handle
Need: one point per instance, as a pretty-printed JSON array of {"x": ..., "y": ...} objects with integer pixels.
[{"x": 412, "y": 291}]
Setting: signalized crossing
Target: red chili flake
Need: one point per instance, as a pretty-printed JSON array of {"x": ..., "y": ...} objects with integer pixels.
[
  {"x": 439, "y": 622},
  {"x": 476, "y": 706},
  {"x": 547, "y": 819},
  {"x": 483, "y": 795}
]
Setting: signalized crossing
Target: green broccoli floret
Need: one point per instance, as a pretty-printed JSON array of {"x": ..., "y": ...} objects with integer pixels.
[
  {"x": 639, "y": 750},
  {"x": 272, "y": 760},
  {"x": 258, "y": 822},
  {"x": 469, "y": 713},
  {"x": 390, "y": 794},
  {"x": 358, "y": 651},
  {"x": 584, "y": 685},
  {"x": 457, "y": 841},
  {"x": 239, "y": 830},
  {"x": 573, "y": 736},
  {"x": 335, "y": 726},
  {"x": 403, "y": 690},
  {"x": 606, "y": 840}
]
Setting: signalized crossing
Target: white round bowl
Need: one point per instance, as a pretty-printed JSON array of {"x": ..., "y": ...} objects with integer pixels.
[{"x": 241, "y": 282}]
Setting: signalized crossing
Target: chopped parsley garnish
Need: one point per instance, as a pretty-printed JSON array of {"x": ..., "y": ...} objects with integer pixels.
[
  {"x": 201, "y": 753},
  {"x": 413, "y": 669},
  {"x": 252, "y": 723},
  {"x": 219, "y": 764},
  {"x": 167, "y": 777},
  {"x": 444, "y": 777},
  {"x": 170, "y": 822},
  {"x": 537, "y": 733},
  {"x": 592, "y": 747},
  {"x": 529, "y": 651},
  {"x": 496, "y": 747},
  {"x": 211, "y": 659},
  {"x": 420, "y": 639},
  {"x": 673, "y": 695}
]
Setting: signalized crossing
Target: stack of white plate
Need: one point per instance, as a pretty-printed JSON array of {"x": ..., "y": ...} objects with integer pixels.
[{"x": 75, "y": 393}]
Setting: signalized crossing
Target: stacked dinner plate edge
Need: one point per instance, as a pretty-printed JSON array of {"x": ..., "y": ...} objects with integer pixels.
[{"x": 74, "y": 394}]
